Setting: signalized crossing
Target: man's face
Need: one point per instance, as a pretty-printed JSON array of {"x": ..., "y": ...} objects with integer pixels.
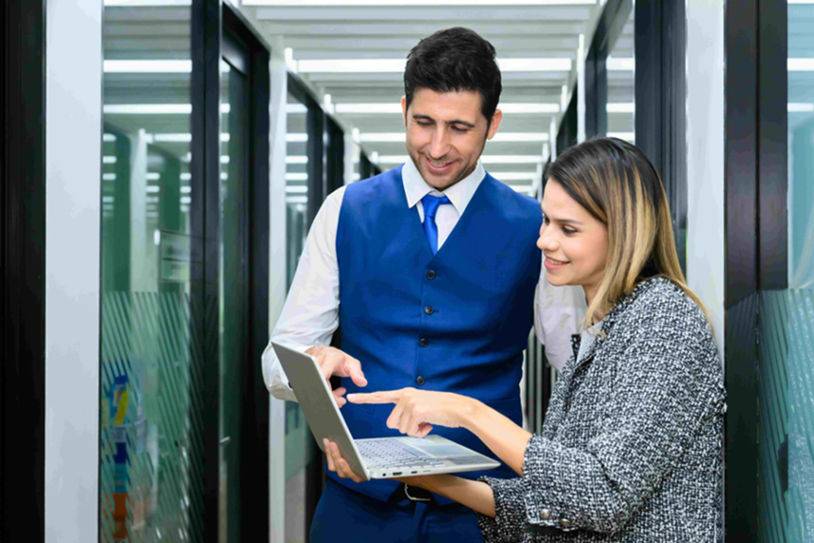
[{"x": 446, "y": 133}]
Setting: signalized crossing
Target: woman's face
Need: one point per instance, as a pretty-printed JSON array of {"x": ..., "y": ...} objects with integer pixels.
[{"x": 573, "y": 242}]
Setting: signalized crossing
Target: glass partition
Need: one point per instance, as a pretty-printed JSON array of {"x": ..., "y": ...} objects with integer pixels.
[
  {"x": 151, "y": 461},
  {"x": 621, "y": 69},
  {"x": 233, "y": 291},
  {"x": 299, "y": 448},
  {"x": 786, "y": 375}
]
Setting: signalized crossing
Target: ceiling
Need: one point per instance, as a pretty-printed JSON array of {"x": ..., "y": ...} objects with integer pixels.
[
  {"x": 536, "y": 43},
  {"x": 354, "y": 51}
]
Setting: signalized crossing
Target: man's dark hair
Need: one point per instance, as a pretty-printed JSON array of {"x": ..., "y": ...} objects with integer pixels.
[{"x": 455, "y": 59}]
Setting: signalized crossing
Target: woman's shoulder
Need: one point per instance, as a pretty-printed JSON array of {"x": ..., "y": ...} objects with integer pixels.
[
  {"x": 662, "y": 299},
  {"x": 660, "y": 310}
]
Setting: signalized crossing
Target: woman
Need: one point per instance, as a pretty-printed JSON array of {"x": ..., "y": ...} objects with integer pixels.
[{"x": 631, "y": 444}]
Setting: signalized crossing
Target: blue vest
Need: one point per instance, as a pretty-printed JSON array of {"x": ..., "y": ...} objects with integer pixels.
[{"x": 456, "y": 321}]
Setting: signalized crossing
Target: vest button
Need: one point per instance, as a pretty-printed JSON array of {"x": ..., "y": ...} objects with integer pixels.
[
  {"x": 429, "y": 310},
  {"x": 423, "y": 341},
  {"x": 419, "y": 380},
  {"x": 431, "y": 274}
]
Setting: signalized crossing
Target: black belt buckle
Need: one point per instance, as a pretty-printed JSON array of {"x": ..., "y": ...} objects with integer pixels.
[{"x": 416, "y": 494}]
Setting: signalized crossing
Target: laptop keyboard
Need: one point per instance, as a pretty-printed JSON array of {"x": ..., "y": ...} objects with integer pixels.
[{"x": 385, "y": 453}]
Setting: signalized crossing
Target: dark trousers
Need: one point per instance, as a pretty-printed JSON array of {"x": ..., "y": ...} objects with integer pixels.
[{"x": 345, "y": 516}]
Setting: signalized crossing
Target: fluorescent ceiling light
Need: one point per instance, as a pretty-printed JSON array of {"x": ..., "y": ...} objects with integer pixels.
[
  {"x": 295, "y": 107},
  {"x": 801, "y": 65},
  {"x": 385, "y": 107},
  {"x": 525, "y": 189},
  {"x": 621, "y": 107},
  {"x": 108, "y": 160},
  {"x": 358, "y": 65},
  {"x": 296, "y": 159},
  {"x": 182, "y": 138},
  {"x": 520, "y": 107},
  {"x": 148, "y": 109},
  {"x": 800, "y": 107},
  {"x": 396, "y": 65},
  {"x": 147, "y": 66},
  {"x": 296, "y": 137},
  {"x": 534, "y": 64},
  {"x": 620, "y": 64},
  {"x": 519, "y": 137},
  {"x": 382, "y": 137},
  {"x": 511, "y": 159},
  {"x": 628, "y": 136},
  {"x": 513, "y": 176},
  {"x": 152, "y": 189},
  {"x": 108, "y": 137},
  {"x": 146, "y": 3},
  {"x": 395, "y": 107},
  {"x": 296, "y": 177},
  {"x": 108, "y": 177},
  {"x": 387, "y": 3},
  {"x": 155, "y": 109},
  {"x": 296, "y": 189}
]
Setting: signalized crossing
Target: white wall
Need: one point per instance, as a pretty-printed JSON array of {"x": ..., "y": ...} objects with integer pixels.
[
  {"x": 73, "y": 148},
  {"x": 705, "y": 157},
  {"x": 277, "y": 280}
]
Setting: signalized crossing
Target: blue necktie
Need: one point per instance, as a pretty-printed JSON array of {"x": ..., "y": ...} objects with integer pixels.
[{"x": 431, "y": 204}]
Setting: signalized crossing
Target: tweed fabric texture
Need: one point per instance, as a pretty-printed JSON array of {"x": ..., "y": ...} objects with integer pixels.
[{"x": 631, "y": 446}]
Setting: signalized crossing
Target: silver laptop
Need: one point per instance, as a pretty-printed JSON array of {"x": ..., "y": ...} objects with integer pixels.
[{"x": 373, "y": 458}]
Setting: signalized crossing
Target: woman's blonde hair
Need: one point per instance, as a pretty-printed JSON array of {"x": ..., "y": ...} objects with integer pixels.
[{"x": 616, "y": 183}]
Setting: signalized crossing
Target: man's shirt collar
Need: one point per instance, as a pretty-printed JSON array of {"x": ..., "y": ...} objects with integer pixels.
[{"x": 459, "y": 194}]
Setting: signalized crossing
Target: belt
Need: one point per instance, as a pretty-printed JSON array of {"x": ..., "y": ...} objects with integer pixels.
[{"x": 416, "y": 494}]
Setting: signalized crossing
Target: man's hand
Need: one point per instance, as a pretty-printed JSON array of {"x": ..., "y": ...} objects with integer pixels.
[
  {"x": 417, "y": 410},
  {"x": 332, "y": 361},
  {"x": 337, "y": 463}
]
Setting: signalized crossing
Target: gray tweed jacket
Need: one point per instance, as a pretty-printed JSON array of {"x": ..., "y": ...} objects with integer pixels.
[{"x": 632, "y": 441}]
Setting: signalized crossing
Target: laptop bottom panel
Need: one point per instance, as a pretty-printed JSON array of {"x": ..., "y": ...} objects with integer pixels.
[{"x": 391, "y": 457}]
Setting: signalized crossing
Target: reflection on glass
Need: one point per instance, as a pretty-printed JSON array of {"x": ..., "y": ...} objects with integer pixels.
[
  {"x": 233, "y": 290},
  {"x": 296, "y": 181},
  {"x": 786, "y": 377},
  {"x": 299, "y": 448},
  {"x": 622, "y": 83},
  {"x": 150, "y": 485}
]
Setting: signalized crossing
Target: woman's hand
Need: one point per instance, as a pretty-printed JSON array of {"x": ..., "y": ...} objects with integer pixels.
[
  {"x": 417, "y": 410},
  {"x": 337, "y": 462}
]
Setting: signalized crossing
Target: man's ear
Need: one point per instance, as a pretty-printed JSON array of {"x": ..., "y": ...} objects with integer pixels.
[
  {"x": 404, "y": 110},
  {"x": 494, "y": 124}
]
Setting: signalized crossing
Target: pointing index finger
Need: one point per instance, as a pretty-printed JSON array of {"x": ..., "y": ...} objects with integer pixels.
[{"x": 384, "y": 396}]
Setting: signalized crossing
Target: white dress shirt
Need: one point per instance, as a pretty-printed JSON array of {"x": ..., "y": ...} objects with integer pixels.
[{"x": 310, "y": 315}]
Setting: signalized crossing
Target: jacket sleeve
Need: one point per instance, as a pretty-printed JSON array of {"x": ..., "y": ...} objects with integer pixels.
[{"x": 663, "y": 392}]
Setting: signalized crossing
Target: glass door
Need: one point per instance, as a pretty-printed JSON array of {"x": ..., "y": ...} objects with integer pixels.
[
  {"x": 233, "y": 280},
  {"x": 182, "y": 326},
  {"x": 786, "y": 318}
]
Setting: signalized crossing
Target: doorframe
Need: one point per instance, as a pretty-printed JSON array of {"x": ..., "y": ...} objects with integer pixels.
[
  {"x": 22, "y": 259},
  {"x": 756, "y": 229},
  {"x": 254, "y": 465}
]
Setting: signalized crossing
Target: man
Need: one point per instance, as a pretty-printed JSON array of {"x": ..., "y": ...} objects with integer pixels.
[{"x": 431, "y": 270}]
